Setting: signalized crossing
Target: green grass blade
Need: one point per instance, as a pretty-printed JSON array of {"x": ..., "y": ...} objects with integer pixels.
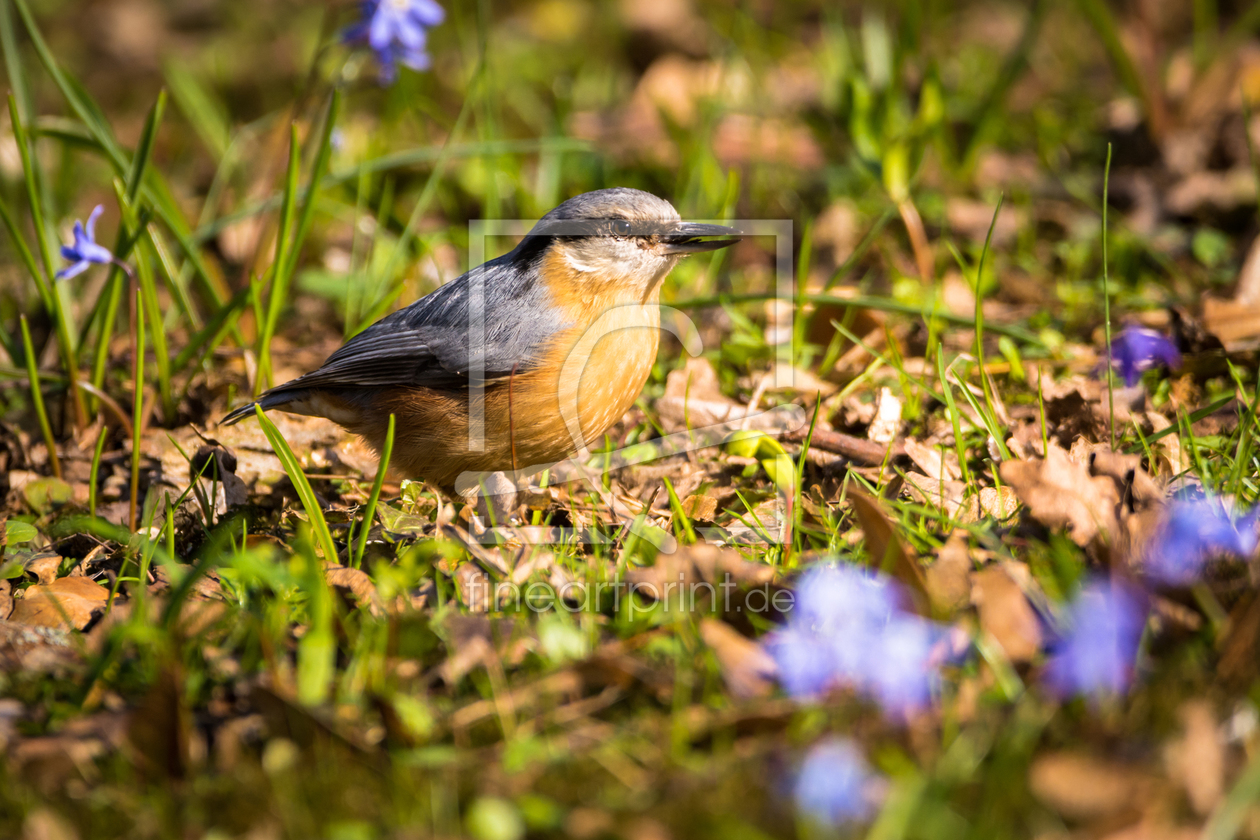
[
  {"x": 198, "y": 106},
  {"x": 156, "y": 193},
  {"x": 31, "y": 180},
  {"x": 317, "y": 649},
  {"x": 369, "y": 512},
  {"x": 307, "y": 215},
  {"x": 37, "y": 397},
  {"x": 94, "y": 473},
  {"x": 952, "y": 408},
  {"x": 46, "y": 283},
  {"x": 979, "y": 295},
  {"x": 1099, "y": 15},
  {"x": 152, "y": 307},
  {"x": 277, "y": 295},
  {"x": 395, "y": 161},
  {"x": 208, "y": 337},
  {"x": 144, "y": 150},
  {"x": 293, "y": 469},
  {"x": 137, "y": 405},
  {"x": 19, "y": 84}
]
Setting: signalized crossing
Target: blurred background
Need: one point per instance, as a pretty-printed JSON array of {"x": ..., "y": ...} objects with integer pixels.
[{"x": 887, "y": 133}]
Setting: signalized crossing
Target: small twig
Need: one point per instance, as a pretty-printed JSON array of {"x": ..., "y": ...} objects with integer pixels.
[{"x": 866, "y": 452}]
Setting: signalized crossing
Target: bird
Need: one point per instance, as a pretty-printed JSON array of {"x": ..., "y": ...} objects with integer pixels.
[{"x": 519, "y": 363}]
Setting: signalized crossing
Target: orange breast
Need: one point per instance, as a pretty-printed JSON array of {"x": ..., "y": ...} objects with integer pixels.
[{"x": 587, "y": 380}]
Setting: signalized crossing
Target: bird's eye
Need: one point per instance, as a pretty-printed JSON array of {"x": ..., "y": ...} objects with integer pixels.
[{"x": 621, "y": 227}]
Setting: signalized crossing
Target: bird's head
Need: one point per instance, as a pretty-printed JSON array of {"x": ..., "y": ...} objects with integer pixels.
[{"x": 622, "y": 241}]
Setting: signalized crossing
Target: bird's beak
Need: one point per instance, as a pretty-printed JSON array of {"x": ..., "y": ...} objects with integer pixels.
[{"x": 684, "y": 238}]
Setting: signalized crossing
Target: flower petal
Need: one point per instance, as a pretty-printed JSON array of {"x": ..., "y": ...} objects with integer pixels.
[
  {"x": 427, "y": 12},
  {"x": 91, "y": 222},
  {"x": 99, "y": 254},
  {"x": 72, "y": 270}
]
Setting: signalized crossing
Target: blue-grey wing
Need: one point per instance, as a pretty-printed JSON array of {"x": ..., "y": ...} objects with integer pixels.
[{"x": 434, "y": 342}]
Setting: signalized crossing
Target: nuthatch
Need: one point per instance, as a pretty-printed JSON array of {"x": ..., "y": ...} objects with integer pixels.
[{"x": 536, "y": 353}]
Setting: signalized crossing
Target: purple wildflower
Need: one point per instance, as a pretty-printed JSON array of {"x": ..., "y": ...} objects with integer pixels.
[
  {"x": 1095, "y": 656},
  {"x": 1136, "y": 350},
  {"x": 396, "y": 31},
  {"x": 830, "y": 595},
  {"x": 902, "y": 674},
  {"x": 84, "y": 252},
  {"x": 848, "y": 629},
  {"x": 1194, "y": 532},
  {"x": 835, "y": 785},
  {"x": 804, "y": 662}
]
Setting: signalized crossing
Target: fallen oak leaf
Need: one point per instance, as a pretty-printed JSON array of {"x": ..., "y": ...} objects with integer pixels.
[
  {"x": 1061, "y": 493},
  {"x": 66, "y": 602}
]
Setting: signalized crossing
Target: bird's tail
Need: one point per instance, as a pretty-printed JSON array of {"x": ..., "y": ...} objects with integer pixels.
[{"x": 268, "y": 401}]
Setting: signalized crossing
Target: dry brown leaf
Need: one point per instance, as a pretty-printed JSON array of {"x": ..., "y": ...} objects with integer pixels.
[
  {"x": 702, "y": 508},
  {"x": 746, "y": 667},
  {"x": 1005, "y": 613},
  {"x": 44, "y": 566},
  {"x": 1156, "y": 828},
  {"x": 935, "y": 461},
  {"x": 693, "y": 399},
  {"x": 355, "y": 583},
  {"x": 885, "y": 548},
  {"x": 1060, "y": 493},
  {"x": 66, "y": 602},
  {"x": 997, "y": 502},
  {"x": 945, "y": 494},
  {"x": 947, "y": 580},
  {"x": 1082, "y": 787},
  {"x": 1127, "y": 472}
]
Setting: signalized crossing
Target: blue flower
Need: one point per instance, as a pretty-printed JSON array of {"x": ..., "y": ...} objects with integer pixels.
[
  {"x": 902, "y": 672},
  {"x": 1195, "y": 531},
  {"x": 84, "y": 252},
  {"x": 396, "y": 32},
  {"x": 1137, "y": 350},
  {"x": 804, "y": 661},
  {"x": 1095, "y": 655},
  {"x": 835, "y": 785},
  {"x": 849, "y": 629},
  {"x": 832, "y": 595}
]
